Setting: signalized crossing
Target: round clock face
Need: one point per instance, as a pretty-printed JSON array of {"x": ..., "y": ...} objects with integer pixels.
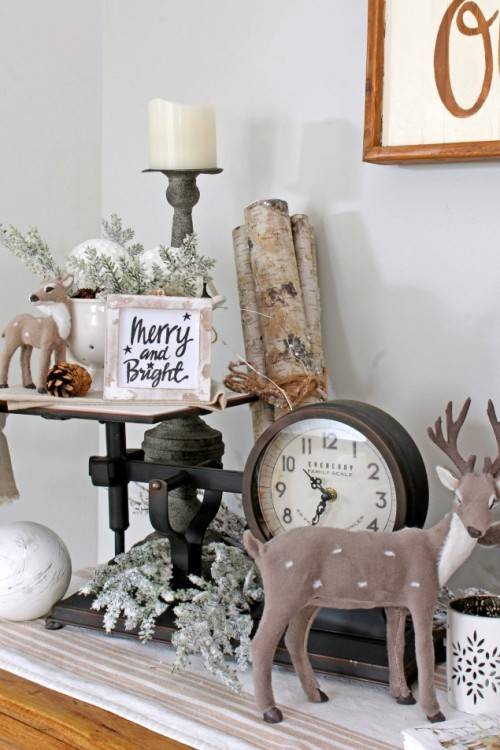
[{"x": 322, "y": 472}]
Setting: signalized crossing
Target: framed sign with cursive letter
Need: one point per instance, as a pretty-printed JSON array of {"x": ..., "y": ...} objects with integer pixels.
[
  {"x": 157, "y": 348},
  {"x": 433, "y": 81}
]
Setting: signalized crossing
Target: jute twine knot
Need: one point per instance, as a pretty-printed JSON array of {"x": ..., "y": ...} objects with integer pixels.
[{"x": 285, "y": 394}]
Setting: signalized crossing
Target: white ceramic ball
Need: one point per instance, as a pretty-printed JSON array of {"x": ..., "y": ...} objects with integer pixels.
[
  {"x": 35, "y": 570},
  {"x": 102, "y": 246}
]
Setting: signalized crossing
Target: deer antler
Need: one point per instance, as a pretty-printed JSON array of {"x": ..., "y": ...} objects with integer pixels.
[
  {"x": 449, "y": 444},
  {"x": 493, "y": 467}
]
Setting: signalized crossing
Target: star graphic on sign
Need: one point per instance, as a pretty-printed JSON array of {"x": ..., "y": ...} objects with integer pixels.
[
  {"x": 187, "y": 316},
  {"x": 128, "y": 350}
]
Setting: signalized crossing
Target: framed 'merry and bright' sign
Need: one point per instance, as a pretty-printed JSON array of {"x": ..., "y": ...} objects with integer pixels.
[{"x": 158, "y": 348}]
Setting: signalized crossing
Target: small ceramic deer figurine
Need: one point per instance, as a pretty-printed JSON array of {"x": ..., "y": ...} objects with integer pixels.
[
  {"x": 48, "y": 333},
  {"x": 312, "y": 567}
]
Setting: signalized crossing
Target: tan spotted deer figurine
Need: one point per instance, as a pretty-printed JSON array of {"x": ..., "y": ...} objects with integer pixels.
[
  {"x": 403, "y": 571},
  {"x": 48, "y": 333}
]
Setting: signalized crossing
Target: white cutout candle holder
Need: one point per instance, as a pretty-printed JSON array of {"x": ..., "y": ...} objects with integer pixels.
[{"x": 473, "y": 654}]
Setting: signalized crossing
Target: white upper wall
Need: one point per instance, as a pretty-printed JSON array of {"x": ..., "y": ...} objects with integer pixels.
[{"x": 50, "y": 132}]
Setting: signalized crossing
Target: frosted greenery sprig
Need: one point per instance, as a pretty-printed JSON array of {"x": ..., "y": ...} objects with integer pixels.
[
  {"x": 32, "y": 250},
  {"x": 136, "y": 585},
  {"x": 105, "y": 275},
  {"x": 178, "y": 273},
  {"x": 99, "y": 270},
  {"x": 182, "y": 267},
  {"x": 133, "y": 275},
  {"x": 124, "y": 275},
  {"x": 213, "y": 618},
  {"x": 113, "y": 230}
]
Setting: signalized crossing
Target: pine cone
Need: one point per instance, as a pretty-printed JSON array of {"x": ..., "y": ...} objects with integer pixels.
[
  {"x": 67, "y": 379},
  {"x": 86, "y": 293}
]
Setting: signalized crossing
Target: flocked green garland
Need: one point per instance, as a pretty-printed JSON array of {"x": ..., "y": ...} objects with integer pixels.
[
  {"x": 177, "y": 271},
  {"x": 213, "y": 617}
]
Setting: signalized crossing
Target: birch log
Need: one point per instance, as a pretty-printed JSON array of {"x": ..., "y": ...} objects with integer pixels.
[
  {"x": 305, "y": 252},
  {"x": 262, "y": 413},
  {"x": 278, "y": 291}
]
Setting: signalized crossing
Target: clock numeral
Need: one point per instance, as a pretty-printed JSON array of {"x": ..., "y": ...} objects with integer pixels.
[
  {"x": 280, "y": 488},
  {"x": 287, "y": 515},
  {"x": 306, "y": 446},
  {"x": 382, "y": 502},
  {"x": 373, "y": 525},
  {"x": 288, "y": 463},
  {"x": 375, "y": 469},
  {"x": 329, "y": 441},
  {"x": 354, "y": 449}
]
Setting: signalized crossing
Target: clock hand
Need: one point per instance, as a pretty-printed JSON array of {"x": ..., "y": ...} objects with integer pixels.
[
  {"x": 327, "y": 494},
  {"x": 316, "y": 482},
  {"x": 319, "y": 511}
]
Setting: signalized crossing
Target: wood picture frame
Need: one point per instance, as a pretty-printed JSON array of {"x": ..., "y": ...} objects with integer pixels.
[
  {"x": 158, "y": 348},
  {"x": 375, "y": 147}
]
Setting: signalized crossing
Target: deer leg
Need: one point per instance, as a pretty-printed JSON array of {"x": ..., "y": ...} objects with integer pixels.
[
  {"x": 26, "y": 351},
  {"x": 422, "y": 623},
  {"x": 60, "y": 355},
  {"x": 44, "y": 365},
  {"x": 274, "y": 620},
  {"x": 396, "y": 624},
  {"x": 5, "y": 359},
  {"x": 296, "y": 639}
]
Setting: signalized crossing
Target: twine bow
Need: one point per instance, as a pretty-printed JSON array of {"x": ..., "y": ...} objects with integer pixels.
[{"x": 286, "y": 394}]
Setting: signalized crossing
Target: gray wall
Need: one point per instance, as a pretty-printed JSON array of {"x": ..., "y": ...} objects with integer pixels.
[
  {"x": 408, "y": 255},
  {"x": 50, "y": 130}
]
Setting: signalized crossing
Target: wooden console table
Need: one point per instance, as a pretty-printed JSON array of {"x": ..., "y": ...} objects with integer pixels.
[{"x": 32, "y": 716}]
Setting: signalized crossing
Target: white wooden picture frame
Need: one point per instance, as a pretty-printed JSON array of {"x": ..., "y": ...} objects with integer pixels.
[{"x": 158, "y": 348}]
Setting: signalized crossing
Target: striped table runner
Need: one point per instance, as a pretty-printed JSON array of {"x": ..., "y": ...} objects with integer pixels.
[{"x": 137, "y": 683}]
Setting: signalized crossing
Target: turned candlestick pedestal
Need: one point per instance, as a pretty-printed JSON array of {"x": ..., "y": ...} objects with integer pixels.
[{"x": 182, "y": 194}]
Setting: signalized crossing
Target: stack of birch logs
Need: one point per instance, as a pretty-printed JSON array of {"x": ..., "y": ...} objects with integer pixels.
[{"x": 278, "y": 288}]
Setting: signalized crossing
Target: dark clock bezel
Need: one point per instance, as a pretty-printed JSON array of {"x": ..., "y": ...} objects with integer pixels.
[{"x": 387, "y": 435}]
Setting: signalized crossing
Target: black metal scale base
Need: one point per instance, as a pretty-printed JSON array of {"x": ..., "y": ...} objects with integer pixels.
[
  {"x": 345, "y": 642},
  {"x": 336, "y": 643},
  {"x": 352, "y": 645}
]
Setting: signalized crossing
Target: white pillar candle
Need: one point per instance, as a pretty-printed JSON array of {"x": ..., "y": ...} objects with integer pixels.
[{"x": 181, "y": 136}]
